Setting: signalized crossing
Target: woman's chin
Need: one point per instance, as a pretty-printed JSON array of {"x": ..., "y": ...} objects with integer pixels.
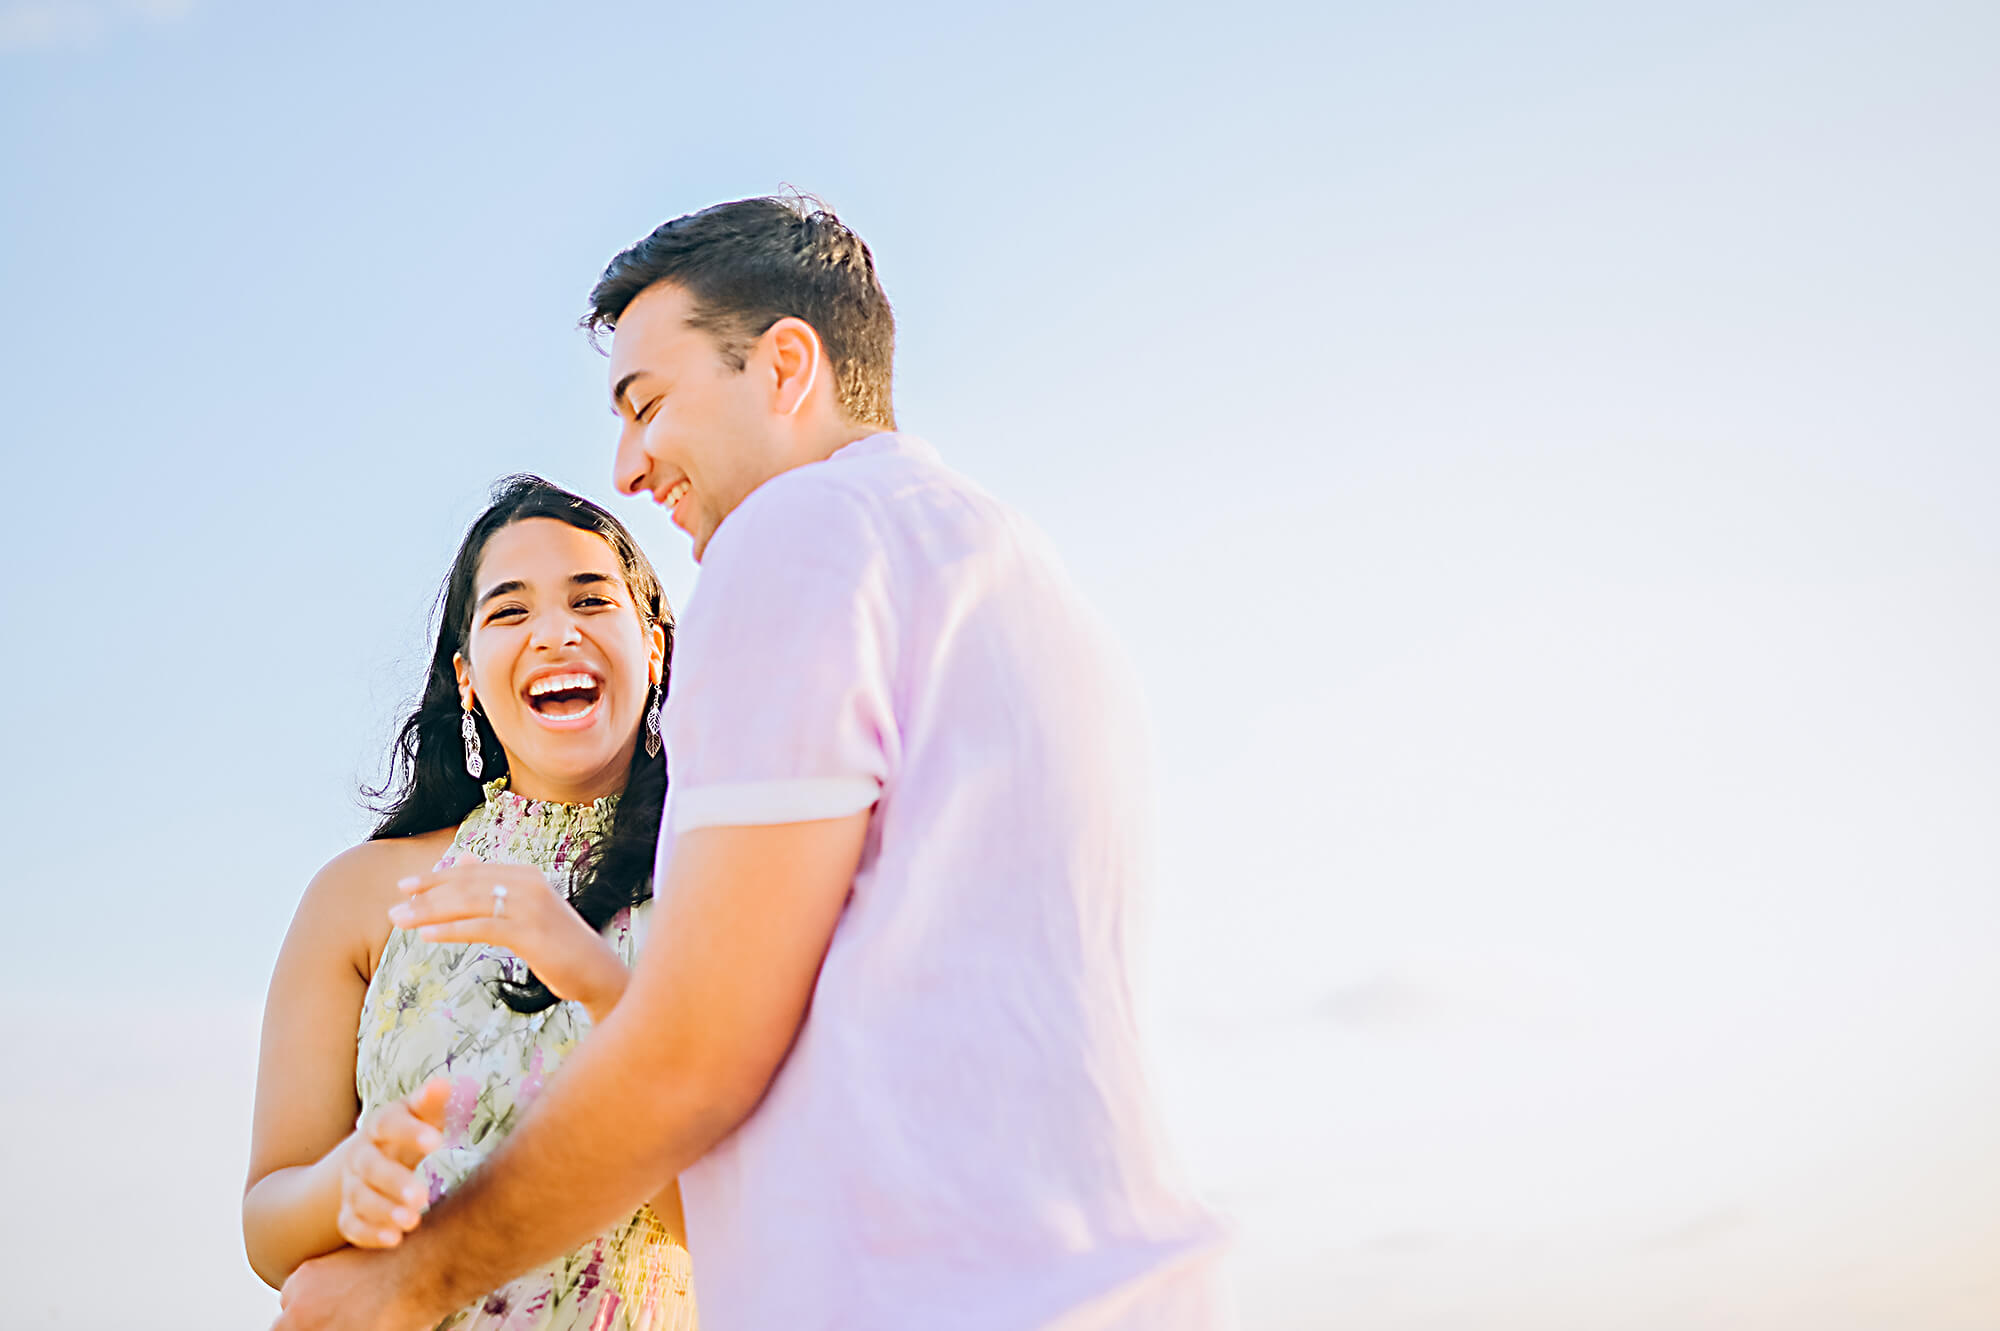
[{"x": 577, "y": 761}]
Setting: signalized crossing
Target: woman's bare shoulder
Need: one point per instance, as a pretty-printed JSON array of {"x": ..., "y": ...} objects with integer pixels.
[
  {"x": 347, "y": 902},
  {"x": 373, "y": 867}
]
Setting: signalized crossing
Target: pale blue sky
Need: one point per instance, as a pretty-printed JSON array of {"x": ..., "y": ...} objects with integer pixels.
[{"x": 1545, "y": 464}]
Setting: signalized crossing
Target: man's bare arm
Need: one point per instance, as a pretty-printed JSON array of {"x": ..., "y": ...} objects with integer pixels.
[{"x": 715, "y": 1002}]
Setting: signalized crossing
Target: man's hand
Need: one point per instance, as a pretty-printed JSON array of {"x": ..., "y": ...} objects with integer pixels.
[{"x": 349, "y": 1290}]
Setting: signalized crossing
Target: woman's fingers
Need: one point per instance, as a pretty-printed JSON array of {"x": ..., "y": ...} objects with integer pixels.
[
  {"x": 474, "y": 930},
  {"x": 379, "y": 1200},
  {"x": 366, "y": 1234},
  {"x": 464, "y": 866},
  {"x": 428, "y": 1102},
  {"x": 381, "y": 1195},
  {"x": 466, "y": 893},
  {"x": 370, "y": 1220},
  {"x": 452, "y": 898},
  {"x": 393, "y": 1191},
  {"x": 400, "y": 1136}
]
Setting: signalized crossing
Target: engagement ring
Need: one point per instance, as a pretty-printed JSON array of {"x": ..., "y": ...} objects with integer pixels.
[{"x": 500, "y": 900}]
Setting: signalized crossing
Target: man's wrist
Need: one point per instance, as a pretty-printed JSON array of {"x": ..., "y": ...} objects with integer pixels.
[{"x": 424, "y": 1294}]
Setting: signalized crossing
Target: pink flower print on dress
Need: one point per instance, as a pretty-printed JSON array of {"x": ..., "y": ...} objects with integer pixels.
[
  {"x": 593, "y": 1270},
  {"x": 524, "y": 1316},
  {"x": 458, "y": 1110}
]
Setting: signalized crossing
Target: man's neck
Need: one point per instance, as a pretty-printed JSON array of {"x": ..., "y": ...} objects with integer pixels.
[{"x": 835, "y": 438}]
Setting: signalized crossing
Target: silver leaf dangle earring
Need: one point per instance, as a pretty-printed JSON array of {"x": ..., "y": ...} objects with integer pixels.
[
  {"x": 653, "y": 722},
  {"x": 474, "y": 763}
]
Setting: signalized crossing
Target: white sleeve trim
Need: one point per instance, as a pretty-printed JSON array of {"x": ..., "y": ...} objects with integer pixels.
[{"x": 760, "y": 803}]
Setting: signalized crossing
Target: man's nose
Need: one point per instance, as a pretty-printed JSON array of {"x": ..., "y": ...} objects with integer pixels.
[{"x": 630, "y": 465}]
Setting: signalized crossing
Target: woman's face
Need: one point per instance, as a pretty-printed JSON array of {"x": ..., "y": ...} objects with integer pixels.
[{"x": 559, "y": 659}]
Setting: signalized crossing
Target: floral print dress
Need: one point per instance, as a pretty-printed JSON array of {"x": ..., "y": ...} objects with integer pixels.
[{"x": 433, "y": 1010}]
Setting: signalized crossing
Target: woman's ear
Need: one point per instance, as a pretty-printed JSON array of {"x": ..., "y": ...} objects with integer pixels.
[
  {"x": 656, "y": 652},
  {"x": 464, "y": 673}
]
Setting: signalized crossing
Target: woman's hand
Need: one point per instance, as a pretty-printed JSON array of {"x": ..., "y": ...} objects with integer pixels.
[
  {"x": 457, "y": 905},
  {"x": 381, "y": 1196}
]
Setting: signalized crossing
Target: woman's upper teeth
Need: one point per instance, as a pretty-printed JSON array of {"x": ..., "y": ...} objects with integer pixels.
[{"x": 560, "y": 684}]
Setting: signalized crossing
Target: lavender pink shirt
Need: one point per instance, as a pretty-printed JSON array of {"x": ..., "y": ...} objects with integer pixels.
[{"x": 962, "y": 1136}]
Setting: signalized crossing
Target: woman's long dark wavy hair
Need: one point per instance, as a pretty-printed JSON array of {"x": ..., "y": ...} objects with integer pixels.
[{"x": 428, "y": 787}]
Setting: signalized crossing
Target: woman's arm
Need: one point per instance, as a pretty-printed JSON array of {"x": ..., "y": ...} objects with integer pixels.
[
  {"x": 303, "y": 1127},
  {"x": 308, "y": 1160}
]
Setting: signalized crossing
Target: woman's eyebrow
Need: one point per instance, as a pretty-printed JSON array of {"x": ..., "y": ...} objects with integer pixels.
[
  {"x": 501, "y": 589},
  {"x": 517, "y": 585}
]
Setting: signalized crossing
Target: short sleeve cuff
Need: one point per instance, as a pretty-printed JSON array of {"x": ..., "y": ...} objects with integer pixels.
[{"x": 761, "y": 803}]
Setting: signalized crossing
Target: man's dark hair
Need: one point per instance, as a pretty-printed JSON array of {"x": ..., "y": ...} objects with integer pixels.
[{"x": 750, "y": 263}]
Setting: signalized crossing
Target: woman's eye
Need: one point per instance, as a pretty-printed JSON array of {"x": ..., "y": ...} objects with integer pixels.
[{"x": 505, "y": 612}]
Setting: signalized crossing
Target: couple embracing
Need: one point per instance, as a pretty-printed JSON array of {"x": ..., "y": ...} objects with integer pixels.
[{"x": 877, "y": 809}]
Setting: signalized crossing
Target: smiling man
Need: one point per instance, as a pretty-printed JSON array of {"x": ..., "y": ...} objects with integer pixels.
[{"x": 882, "y": 1029}]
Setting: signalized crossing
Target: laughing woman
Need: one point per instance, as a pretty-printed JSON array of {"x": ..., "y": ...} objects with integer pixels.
[{"x": 534, "y": 756}]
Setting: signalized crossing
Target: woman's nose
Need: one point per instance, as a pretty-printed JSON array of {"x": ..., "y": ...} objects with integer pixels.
[{"x": 555, "y": 628}]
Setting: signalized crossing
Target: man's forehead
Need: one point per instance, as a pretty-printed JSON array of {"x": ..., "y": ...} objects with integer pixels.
[
  {"x": 661, "y": 308},
  {"x": 651, "y": 325}
]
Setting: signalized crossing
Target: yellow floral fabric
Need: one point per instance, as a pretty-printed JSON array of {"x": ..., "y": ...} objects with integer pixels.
[{"x": 434, "y": 1010}]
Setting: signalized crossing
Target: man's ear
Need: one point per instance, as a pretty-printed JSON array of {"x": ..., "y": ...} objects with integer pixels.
[{"x": 797, "y": 360}]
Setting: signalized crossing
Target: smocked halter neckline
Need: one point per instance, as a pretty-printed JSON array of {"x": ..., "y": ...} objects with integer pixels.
[{"x": 547, "y": 824}]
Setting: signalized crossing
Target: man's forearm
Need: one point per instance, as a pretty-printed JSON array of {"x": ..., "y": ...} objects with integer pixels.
[
  {"x": 714, "y": 1004},
  {"x": 621, "y": 1117}
]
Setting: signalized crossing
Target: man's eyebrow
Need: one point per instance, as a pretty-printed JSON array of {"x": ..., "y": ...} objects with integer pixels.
[
  {"x": 500, "y": 589},
  {"x": 618, "y": 393}
]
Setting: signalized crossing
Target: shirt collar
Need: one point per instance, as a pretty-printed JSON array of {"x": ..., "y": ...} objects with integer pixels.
[{"x": 888, "y": 442}]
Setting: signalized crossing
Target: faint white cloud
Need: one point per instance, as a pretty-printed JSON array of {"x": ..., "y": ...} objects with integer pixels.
[
  {"x": 49, "y": 23},
  {"x": 38, "y": 24},
  {"x": 1385, "y": 1001}
]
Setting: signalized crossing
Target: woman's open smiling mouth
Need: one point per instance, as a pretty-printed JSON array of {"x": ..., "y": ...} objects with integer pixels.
[{"x": 564, "y": 700}]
